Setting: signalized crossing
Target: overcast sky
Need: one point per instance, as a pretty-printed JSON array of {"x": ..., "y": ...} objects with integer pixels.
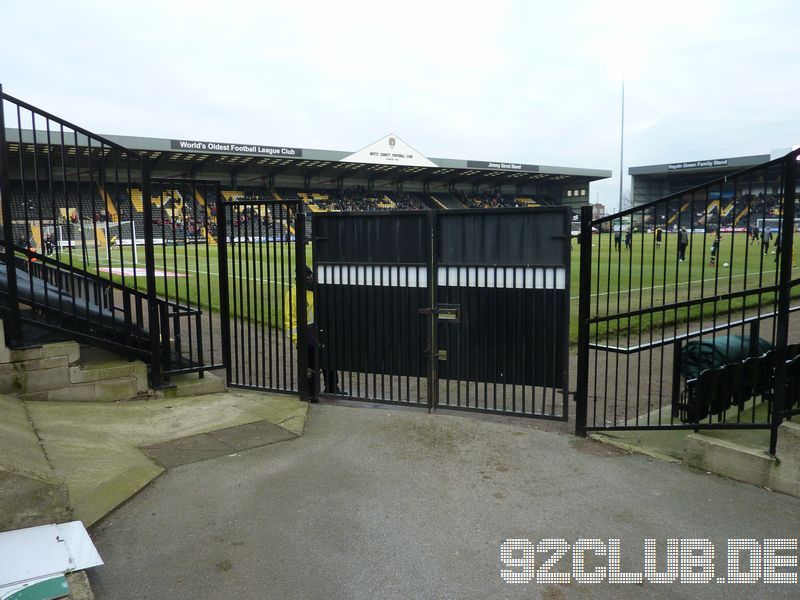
[{"x": 524, "y": 81}]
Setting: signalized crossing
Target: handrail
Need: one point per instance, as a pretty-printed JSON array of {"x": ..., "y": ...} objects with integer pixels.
[
  {"x": 60, "y": 121},
  {"x": 686, "y": 336}
]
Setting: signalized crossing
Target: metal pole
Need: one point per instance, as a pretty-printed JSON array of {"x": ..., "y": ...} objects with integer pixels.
[
  {"x": 224, "y": 307},
  {"x": 302, "y": 308},
  {"x": 784, "y": 296},
  {"x": 108, "y": 242},
  {"x": 433, "y": 356},
  {"x": 12, "y": 328},
  {"x": 621, "y": 142},
  {"x": 154, "y": 318},
  {"x": 584, "y": 298},
  {"x": 133, "y": 241}
]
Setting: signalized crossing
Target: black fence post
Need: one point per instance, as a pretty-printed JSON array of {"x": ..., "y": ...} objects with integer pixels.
[
  {"x": 584, "y": 298},
  {"x": 784, "y": 296},
  {"x": 12, "y": 327},
  {"x": 153, "y": 314},
  {"x": 433, "y": 356},
  {"x": 305, "y": 391},
  {"x": 677, "y": 353},
  {"x": 224, "y": 298}
]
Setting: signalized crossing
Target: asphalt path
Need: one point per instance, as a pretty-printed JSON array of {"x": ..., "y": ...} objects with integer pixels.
[{"x": 397, "y": 503}]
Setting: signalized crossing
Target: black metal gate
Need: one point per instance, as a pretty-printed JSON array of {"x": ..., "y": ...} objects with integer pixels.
[
  {"x": 262, "y": 292},
  {"x": 687, "y": 325},
  {"x": 459, "y": 309}
]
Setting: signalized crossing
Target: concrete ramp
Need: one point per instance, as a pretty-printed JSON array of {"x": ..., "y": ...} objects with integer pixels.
[{"x": 31, "y": 493}]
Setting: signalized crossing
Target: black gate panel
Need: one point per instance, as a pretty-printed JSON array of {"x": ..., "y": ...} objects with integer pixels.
[
  {"x": 510, "y": 237},
  {"x": 464, "y": 309},
  {"x": 505, "y": 335},
  {"x": 508, "y": 273},
  {"x": 371, "y": 282},
  {"x": 368, "y": 318}
]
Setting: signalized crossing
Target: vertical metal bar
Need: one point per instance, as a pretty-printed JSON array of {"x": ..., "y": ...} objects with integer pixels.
[
  {"x": 273, "y": 301},
  {"x": 322, "y": 319},
  {"x": 784, "y": 295},
  {"x": 165, "y": 276},
  {"x": 584, "y": 299},
  {"x": 183, "y": 281},
  {"x": 651, "y": 311},
  {"x": 39, "y": 195},
  {"x": 400, "y": 326},
  {"x": 207, "y": 222},
  {"x": 236, "y": 271},
  {"x": 94, "y": 215},
  {"x": 246, "y": 300},
  {"x": 264, "y": 317},
  {"x": 193, "y": 192},
  {"x": 150, "y": 267},
  {"x": 53, "y": 215},
  {"x": 505, "y": 297},
  {"x": 12, "y": 325},
  {"x": 224, "y": 307},
  {"x": 26, "y": 241},
  {"x": 378, "y": 296},
  {"x": 84, "y": 261},
  {"x": 433, "y": 384},
  {"x": 567, "y": 263},
  {"x": 290, "y": 267},
  {"x": 462, "y": 367},
  {"x": 524, "y": 332},
  {"x": 283, "y": 230},
  {"x": 642, "y": 213},
  {"x": 388, "y": 329},
  {"x": 303, "y": 389}
]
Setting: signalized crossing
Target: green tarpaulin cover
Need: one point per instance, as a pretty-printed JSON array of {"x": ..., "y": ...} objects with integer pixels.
[{"x": 710, "y": 354}]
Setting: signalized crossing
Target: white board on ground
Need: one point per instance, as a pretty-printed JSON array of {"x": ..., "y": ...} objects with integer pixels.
[{"x": 36, "y": 552}]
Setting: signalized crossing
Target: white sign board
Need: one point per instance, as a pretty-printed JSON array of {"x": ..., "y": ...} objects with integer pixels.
[{"x": 390, "y": 150}]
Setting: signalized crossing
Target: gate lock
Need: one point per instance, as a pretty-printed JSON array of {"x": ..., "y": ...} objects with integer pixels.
[{"x": 444, "y": 312}]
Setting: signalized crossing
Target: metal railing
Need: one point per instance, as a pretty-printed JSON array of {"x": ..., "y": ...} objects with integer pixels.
[
  {"x": 79, "y": 250},
  {"x": 697, "y": 281}
]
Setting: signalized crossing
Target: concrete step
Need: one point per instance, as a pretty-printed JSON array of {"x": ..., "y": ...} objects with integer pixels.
[
  {"x": 34, "y": 375},
  {"x": 785, "y": 477},
  {"x": 31, "y": 493},
  {"x": 67, "y": 371},
  {"x": 191, "y": 385},
  {"x": 98, "y": 365},
  {"x": 103, "y": 390},
  {"x": 737, "y": 456},
  {"x": 728, "y": 457},
  {"x": 71, "y": 350}
]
